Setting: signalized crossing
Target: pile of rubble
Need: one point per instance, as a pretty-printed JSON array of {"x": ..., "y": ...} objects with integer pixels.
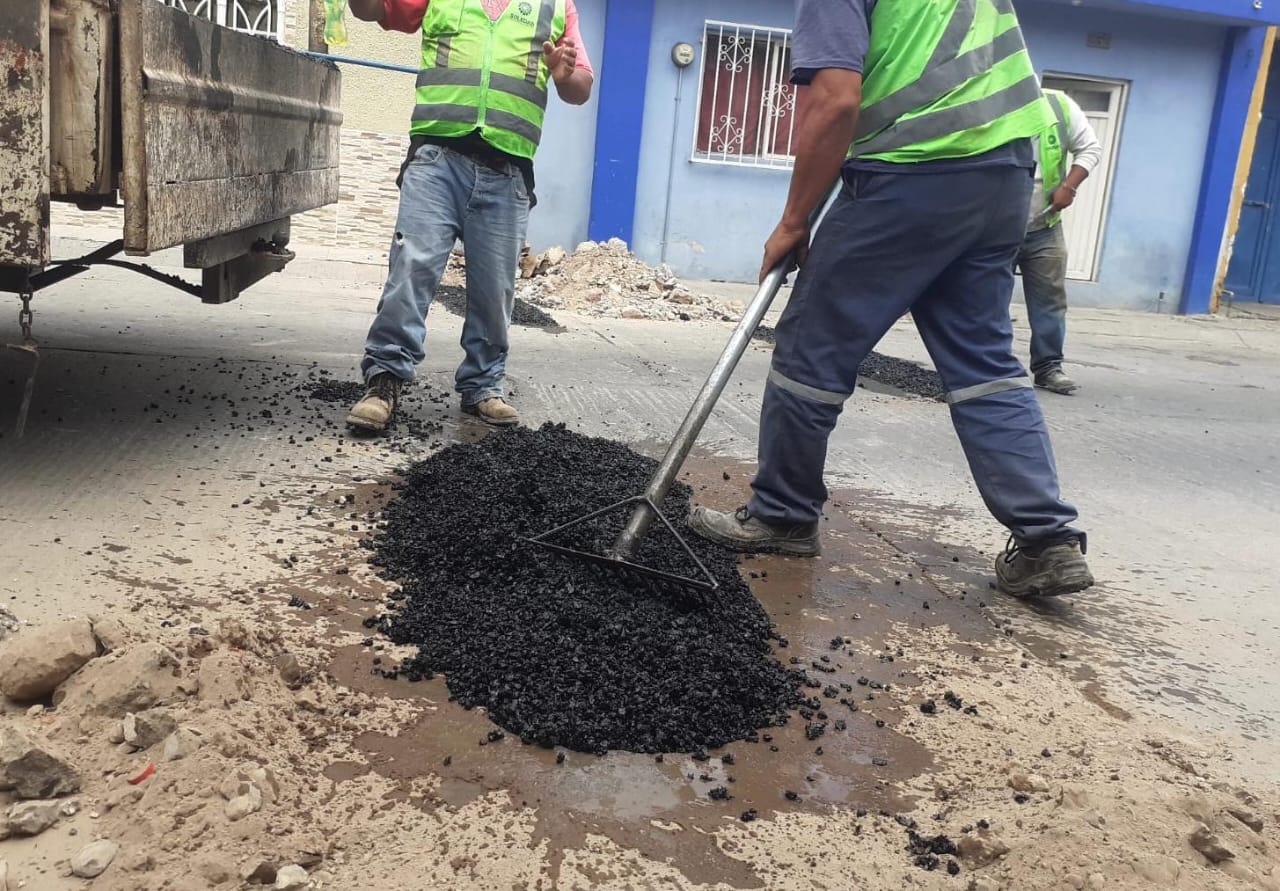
[
  {"x": 605, "y": 279},
  {"x": 136, "y": 760}
]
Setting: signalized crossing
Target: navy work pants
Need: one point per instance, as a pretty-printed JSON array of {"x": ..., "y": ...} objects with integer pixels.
[{"x": 942, "y": 247}]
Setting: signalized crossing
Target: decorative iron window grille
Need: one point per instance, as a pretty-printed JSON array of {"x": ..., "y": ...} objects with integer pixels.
[
  {"x": 262, "y": 17},
  {"x": 746, "y": 103}
]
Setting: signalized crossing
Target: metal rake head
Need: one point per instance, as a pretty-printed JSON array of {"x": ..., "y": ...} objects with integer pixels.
[{"x": 623, "y": 567}]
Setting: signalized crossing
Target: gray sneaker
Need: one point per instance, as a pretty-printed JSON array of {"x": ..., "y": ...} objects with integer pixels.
[
  {"x": 742, "y": 532},
  {"x": 1055, "y": 381},
  {"x": 1050, "y": 571}
]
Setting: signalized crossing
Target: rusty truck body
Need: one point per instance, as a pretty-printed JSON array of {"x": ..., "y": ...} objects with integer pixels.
[{"x": 208, "y": 138}]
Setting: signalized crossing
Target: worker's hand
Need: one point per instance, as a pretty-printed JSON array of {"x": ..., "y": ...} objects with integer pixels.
[
  {"x": 1063, "y": 198},
  {"x": 785, "y": 239},
  {"x": 562, "y": 59}
]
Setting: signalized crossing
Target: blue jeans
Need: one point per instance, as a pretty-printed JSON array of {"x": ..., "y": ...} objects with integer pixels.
[
  {"x": 941, "y": 247},
  {"x": 1042, "y": 259},
  {"x": 445, "y": 197}
]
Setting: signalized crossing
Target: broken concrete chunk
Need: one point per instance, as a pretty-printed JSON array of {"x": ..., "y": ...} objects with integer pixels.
[
  {"x": 1247, "y": 817},
  {"x": 1210, "y": 846},
  {"x": 982, "y": 849},
  {"x": 250, "y": 774},
  {"x": 1159, "y": 869},
  {"x": 224, "y": 679},
  {"x": 31, "y": 770},
  {"x": 1028, "y": 782},
  {"x": 145, "y": 729},
  {"x": 137, "y": 679},
  {"x": 34, "y": 664},
  {"x": 244, "y": 804},
  {"x": 291, "y": 878},
  {"x": 179, "y": 744},
  {"x": 111, "y": 633},
  {"x": 93, "y": 859},
  {"x": 32, "y": 817}
]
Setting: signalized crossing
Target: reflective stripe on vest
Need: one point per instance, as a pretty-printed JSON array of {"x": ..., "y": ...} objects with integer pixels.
[
  {"x": 968, "y": 86},
  {"x": 1053, "y": 152},
  {"x": 491, "y": 78}
]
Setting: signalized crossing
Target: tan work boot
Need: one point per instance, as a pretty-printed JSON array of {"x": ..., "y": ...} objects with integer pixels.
[
  {"x": 494, "y": 411},
  {"x": 374, "y": 411}
]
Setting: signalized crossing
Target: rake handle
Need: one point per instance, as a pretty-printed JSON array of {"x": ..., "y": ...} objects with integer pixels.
[{"x": 642, "y": 517}]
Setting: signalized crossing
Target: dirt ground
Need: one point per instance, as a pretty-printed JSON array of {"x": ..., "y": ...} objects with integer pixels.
[{"x": 223, "y": 573}]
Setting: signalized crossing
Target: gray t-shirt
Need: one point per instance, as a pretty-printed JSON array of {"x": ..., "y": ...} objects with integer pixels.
[{"x": 837, "y": 34}]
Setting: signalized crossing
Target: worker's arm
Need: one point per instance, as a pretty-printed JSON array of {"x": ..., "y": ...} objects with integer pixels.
[
  {"x": 366, "y": 10},
  {"x": 826, "y": 115},
  {"x": 573, "y": 83},
  {"x": 1086, "y": 155}
]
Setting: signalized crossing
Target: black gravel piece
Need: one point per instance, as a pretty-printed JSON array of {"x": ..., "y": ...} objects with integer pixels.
[
  {"x": 525, "y": 314},
  {"x": 888, "y": 370},
  {"x": 927, "y": 851},
  {"x": 330, "y": 390},
  {"x": 559, "y": 652}
]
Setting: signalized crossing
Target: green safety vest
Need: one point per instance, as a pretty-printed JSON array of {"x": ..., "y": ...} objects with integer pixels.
[
  {"x": 946, "y": 79},
  {"x": 479, "y": 74},
  {"x": 1053, "y": 151}
]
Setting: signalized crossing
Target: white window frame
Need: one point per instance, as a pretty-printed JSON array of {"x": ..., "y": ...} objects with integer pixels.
[
  {"x": 268, "y": 21},
  {"x": 1088, "y": 271},
  {"x": 780, "y": 42}
]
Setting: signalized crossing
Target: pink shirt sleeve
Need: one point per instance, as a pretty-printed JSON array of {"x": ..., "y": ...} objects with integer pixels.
[{"x": 573, "y": 31}]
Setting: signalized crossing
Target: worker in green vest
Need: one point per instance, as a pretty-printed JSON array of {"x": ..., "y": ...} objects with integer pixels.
[
  {"x": 926, "y": 110},
  {"x": 1042, "y": 260},
  {"x": 481, "y": 97}
]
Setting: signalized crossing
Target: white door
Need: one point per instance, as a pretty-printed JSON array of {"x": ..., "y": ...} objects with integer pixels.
[{"x": 1085, "y": 223}]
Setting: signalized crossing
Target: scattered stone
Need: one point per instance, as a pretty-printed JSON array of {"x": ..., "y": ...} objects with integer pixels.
[
  {"x": 291, "y": 671},
  {"x": 32, "y": 817},
  {"x": 30, "y": 770},
  {"x": 982, "y": 849},
  {"x": 34, "y": 664},
  {"x": 291, "y": 878},
  {"x": 1247, "y": 817},
  {"x": 1076, "y": 798},
  {"x": 250, "y": 774},
  {"x": 1210, "y": 846},
  {"x": 1159, "y": 869},
  {"x": 133, "y": 681},
  {"x": 224, "y": 679},
  {"x": 1028, "y": 782},
  {"x": 260, "y": 872},
  {"x": 93, "y": 859},
  {"x": 145, "y": 729},
  {"x": 179, "y": 744},
  {"x": 241, "y": 806},
  {"x": 110, "y": 633},
  {"x": 35, "y": 711}
]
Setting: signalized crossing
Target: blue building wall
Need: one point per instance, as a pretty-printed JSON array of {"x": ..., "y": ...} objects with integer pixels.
[
  {"x": 563, "y": 168},
  {"x": 1173, "y": 68},
  {"x": 720, "y": 215}
]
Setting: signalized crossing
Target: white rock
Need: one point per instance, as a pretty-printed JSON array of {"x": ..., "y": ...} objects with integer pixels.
[
  {"x": 179, "y": 744},
  {"x": 554, "y": 256},
  {"x": 35, "y": 711},
  {"x": 291, "y": 878},
  {"x": 241, "y": 806},
  {"x": 32, "y": 665},
  {"x": 93, "y": 859},
  {"x": 32, "y": 817},
  {"x": 250, "y": 774},
  {"x": 586, "y": 247},
  {"x": 1028, "y": 782}
]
